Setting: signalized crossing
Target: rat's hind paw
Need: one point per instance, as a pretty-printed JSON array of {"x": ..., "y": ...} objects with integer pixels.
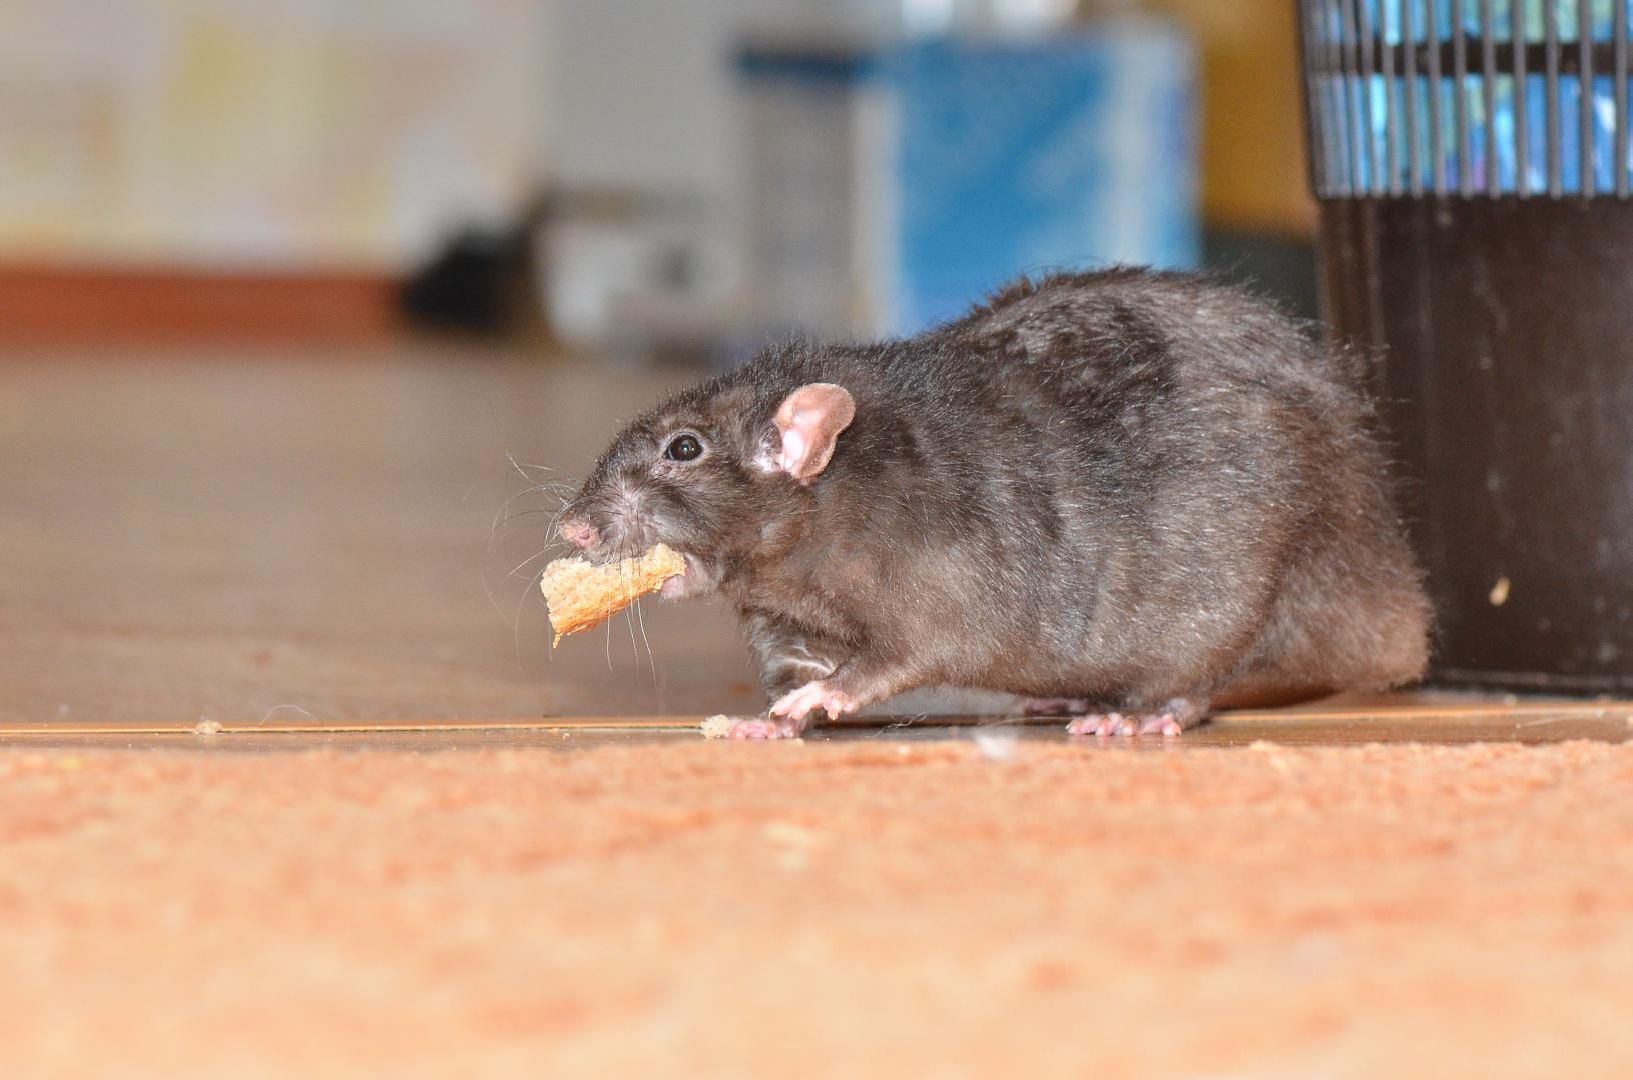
[
  {"x": 1168, "y": 721},
  {"x": 1103, "y": 723}
]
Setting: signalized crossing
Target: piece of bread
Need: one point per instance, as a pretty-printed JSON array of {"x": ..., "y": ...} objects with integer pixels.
[
  {"x": 717, "y": 727},
  {"x": 582, "y": 595}
]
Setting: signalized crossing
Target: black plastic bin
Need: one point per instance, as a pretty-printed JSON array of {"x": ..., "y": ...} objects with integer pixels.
[{"x": 1471, "y": 158}]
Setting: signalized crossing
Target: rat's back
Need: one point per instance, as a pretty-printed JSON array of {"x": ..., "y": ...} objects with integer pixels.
[{"x": 1228, "y": 475}]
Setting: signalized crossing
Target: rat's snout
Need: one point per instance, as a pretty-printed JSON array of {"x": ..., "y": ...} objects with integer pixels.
[
  {"x": 605, "y": 521},
  {"x": 578, "y": 532}
]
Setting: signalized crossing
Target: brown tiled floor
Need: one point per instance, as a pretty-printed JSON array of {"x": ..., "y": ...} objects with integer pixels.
[
  {"x": 241, "y": 536},
  {"x": 382, "y": 864}
]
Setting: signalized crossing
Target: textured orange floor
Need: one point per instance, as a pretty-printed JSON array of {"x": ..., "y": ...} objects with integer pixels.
[{"x": 841, "y": 909}]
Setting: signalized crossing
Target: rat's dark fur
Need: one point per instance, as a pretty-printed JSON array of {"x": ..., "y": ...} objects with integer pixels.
[{"x": 1139, "y": 489}]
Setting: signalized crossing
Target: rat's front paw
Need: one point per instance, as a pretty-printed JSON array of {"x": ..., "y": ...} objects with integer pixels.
[
  {"x": 799, "y": 703},
  {"x": 766, "y": 728}
]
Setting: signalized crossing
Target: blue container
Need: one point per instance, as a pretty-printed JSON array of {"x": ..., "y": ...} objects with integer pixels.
[{"x": 891, "y": 187}]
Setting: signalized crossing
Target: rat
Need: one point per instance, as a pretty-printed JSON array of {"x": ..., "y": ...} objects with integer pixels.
[{"x": 1124, "y": 496}]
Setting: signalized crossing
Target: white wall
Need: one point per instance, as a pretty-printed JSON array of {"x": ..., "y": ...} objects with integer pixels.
[
  {"x": 239, "y": 132},
  {"x": 641, "y": 90},
  {"x": 642, "y": 99}
]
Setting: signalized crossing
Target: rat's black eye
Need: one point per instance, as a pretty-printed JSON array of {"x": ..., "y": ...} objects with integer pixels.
[{"x": 683, "y": 448}]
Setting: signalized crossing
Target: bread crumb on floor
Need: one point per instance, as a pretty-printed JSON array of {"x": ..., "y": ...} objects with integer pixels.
[
  {"x": 207, "y": 727},
  {"x": 717, "y": 727}
]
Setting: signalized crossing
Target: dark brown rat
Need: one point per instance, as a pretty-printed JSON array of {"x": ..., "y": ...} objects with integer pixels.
[{"x": 1125, "y": 494}]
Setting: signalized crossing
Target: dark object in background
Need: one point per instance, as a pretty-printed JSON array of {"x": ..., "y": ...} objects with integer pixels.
[
  {"x": 1477, "y": 235},
  {"x": 483, "y": 281},
  {"x": 1280, "y": 268}
]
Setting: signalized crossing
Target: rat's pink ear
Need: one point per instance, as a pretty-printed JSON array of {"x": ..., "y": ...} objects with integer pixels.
[{"x": 810, "y": 420}]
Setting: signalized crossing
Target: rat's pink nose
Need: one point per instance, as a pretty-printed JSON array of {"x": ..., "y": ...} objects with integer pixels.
[{"x": 580, "y": 534}]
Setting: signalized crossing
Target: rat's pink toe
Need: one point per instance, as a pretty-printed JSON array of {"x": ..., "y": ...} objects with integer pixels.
[
  {"x": 753, "y": 729},
  {"x": 766, "y": 728},
  {"x": 837, "y": 704},
  {"x": 1163, "y": 723},
  {"x": 1099, "y": 723},
  {"x": 798, "y": 702},
  {"x": 1168, "y": 723}
]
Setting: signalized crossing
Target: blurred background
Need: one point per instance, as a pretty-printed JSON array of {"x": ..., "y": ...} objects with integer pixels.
[
  {"x": 304, "y": 305},
  {"x": 673, "y": 173}
]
